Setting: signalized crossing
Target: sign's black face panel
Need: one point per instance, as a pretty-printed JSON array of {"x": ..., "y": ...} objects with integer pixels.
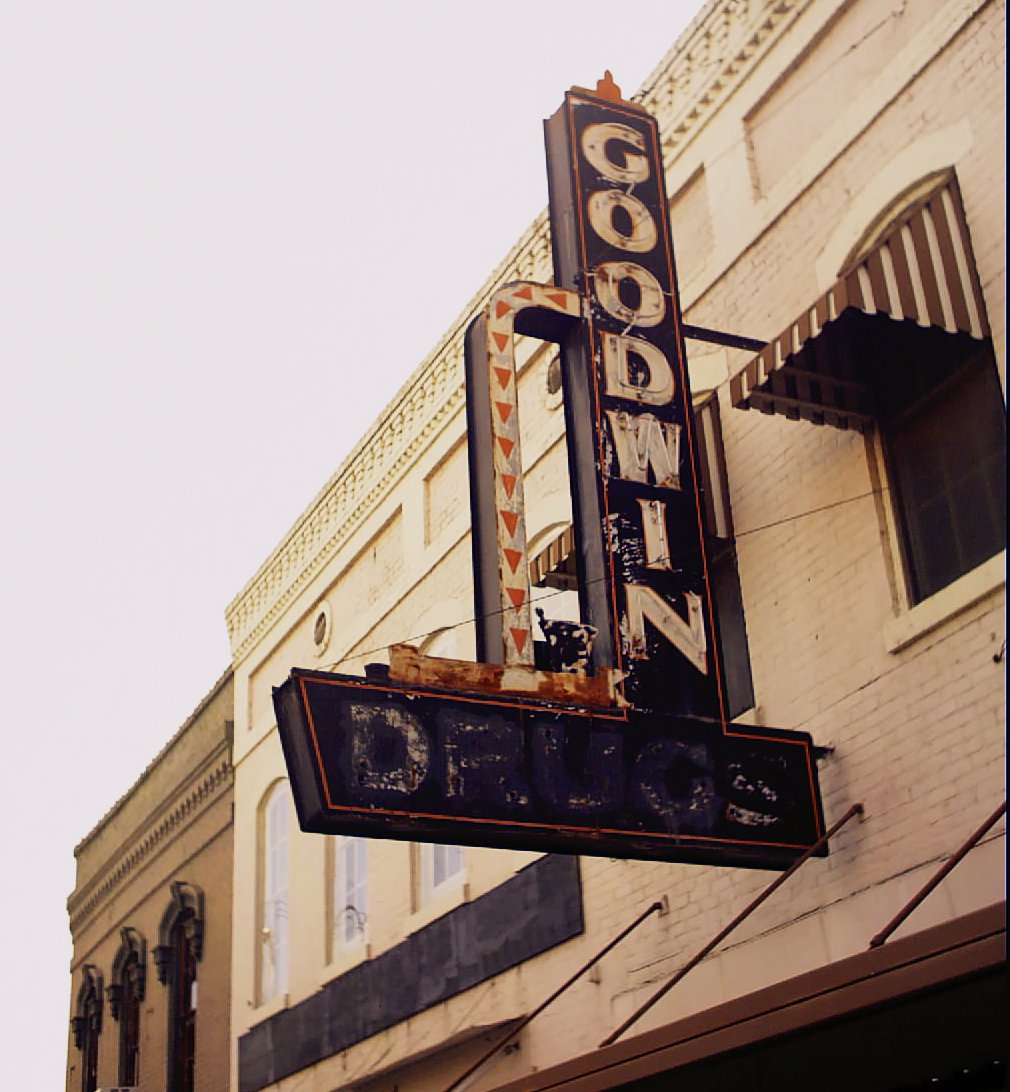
[
  {"x": 639, "y": 519},
  {"x": 658, "y": 774},
  {"x": 401, "y": 762}
]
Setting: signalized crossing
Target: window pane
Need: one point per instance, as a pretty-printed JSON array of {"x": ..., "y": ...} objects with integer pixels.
[
  {"x": 350, "y": 889},
  {"x": 274, "y": 911},
  {"x": 947, "y": 456},
  {"x": 129, "y": 1023},
  {"x": 446, "y": 862}
]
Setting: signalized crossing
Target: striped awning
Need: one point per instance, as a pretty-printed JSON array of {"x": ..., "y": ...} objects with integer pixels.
[
  {"x": 921, "y": 272},
  {"x": 554, "y": 561}
]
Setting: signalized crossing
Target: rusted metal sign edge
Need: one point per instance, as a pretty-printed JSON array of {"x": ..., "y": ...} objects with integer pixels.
[{"x": 408, "y": 665}]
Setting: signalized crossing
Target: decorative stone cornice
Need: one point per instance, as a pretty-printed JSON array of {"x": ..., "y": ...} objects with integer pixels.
[
  {"x": 709, "y": 60},
  {"x": 412, "y": 420},
  {"x": 697, "y": 74},
  {"x": 156, "y": 762},
  {"x": 84, "y": 902}
]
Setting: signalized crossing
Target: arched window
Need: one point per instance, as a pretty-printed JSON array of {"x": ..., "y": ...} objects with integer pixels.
[
  {"x": 900, "y": 348},
  {"x": 273, "y": 916},
  {"x": 179, "y": 950},
  {"x": 940, "y": 414},
  {"x": 126, "y": 992},
  {"x": 86, "y": 1025},
  {"x": 348, "y": 892}
]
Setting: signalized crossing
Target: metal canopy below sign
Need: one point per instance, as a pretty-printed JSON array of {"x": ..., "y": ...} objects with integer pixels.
[{"x": 627, "y": 753}]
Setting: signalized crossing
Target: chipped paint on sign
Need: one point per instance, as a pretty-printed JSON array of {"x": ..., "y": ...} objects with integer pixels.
[
  {"x": 628, "y": 410},
  {"x": 402, "y": 761},
  {"x": 496, "y": 461},
  {"x": 632, "y": 757}
]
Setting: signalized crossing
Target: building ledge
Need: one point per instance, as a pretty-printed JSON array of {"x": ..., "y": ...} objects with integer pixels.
[{"x": 965, "y": 592}]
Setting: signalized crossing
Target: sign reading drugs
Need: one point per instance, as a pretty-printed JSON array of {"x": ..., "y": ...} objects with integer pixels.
[
  {"x": 623, "y": 750},
  {"x": 395, "y": 760}
]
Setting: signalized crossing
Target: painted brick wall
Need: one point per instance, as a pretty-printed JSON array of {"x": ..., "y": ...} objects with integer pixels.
[{"x": 917, "y": 731}]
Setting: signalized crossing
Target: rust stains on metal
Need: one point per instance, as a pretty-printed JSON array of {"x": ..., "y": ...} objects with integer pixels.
[
  {"x": 605, "y": 89},
  {"x": 407, "y": 665}
]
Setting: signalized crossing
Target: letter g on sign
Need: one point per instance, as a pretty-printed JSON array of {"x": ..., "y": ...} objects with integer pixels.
[{"x": 595, "y": 139}]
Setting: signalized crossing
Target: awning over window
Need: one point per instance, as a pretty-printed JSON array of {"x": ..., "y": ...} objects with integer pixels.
[
  {"x": 554, "y": 565},
  {"x": 922, "y": 272}
]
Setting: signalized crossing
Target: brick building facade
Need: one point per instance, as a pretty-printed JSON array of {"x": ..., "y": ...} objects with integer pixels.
[
  {"x": 150, "y": 918},
  {"x": 835, "y": 174},
  {"x": 803, "y": 140}
]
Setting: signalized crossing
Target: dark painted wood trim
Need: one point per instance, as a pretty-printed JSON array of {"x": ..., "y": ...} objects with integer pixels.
[
  {"x": 537, "y": 909},
  {"x": 973, "y": 944}
]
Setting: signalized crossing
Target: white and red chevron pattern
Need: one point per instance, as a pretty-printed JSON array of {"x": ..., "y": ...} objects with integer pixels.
[{"x": 513, "y": 561}]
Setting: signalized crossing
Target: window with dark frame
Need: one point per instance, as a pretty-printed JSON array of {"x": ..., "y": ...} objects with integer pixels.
[
  {"x": 86, "y": 1025},
  {"x": 942, "y": 425},
  {"x": 129, "y": 1022},
  {"x": 89, "y": 1059},
  {"x": 125, "y": 993},
  {"x": 179, "y": 950},
  {"x": 182, "y": 1030}
]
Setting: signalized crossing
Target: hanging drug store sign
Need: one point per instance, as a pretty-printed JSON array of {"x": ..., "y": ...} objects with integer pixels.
[
  {"x": 635, "y": 760},
  {"x": 400, "y": 761}
]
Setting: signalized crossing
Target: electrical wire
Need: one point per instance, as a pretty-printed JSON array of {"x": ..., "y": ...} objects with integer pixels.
[
  {"x": 719, "y": 154},
  {"x": 683, "y": 556}
]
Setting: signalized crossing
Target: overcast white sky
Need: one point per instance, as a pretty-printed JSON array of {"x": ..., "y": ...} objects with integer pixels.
[{"x": 228, "y": 232}]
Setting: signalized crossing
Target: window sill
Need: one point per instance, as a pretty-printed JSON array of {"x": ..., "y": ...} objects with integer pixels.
[
  {"x": 965, "y": 592},
  {"x": 448, "y": 896},
  {"x": 269, "y": 1006},
  {"x": 347, "y": 956}
]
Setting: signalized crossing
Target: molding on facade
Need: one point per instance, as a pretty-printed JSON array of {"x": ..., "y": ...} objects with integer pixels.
[
  {"x": 708, "y": 61},
  {"x": 156, "y": 762},
  {"x": 86, "y": 901},
  {"x": 413, "y": 419}
]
